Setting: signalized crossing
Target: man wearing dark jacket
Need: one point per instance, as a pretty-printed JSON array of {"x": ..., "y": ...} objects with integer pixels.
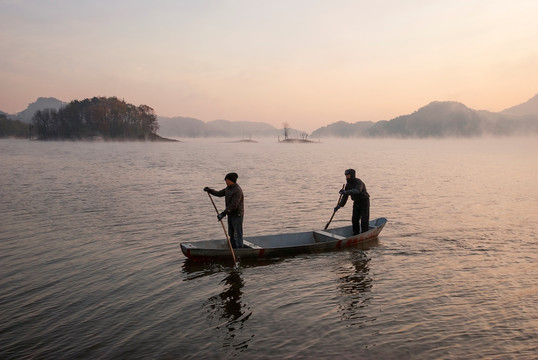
[
  {"x": 361, "y": 201},
  {"x": 235, "y": 209}
]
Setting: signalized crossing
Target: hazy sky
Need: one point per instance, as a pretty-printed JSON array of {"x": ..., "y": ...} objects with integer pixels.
[{"x": 305, "y": 62}]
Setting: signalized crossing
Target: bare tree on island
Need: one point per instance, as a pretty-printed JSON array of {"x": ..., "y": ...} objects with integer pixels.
[
  {"x": 287, "y": 128},
  {"x": 288, "y": 139}
]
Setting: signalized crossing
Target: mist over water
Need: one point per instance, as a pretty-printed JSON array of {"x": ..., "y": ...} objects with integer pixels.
[{"x": 91, "y": 264}]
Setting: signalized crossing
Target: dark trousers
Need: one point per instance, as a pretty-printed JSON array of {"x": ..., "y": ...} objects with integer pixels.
[
  {"x": 235, "y": 230},
  {"x": 361, "y": 216}
]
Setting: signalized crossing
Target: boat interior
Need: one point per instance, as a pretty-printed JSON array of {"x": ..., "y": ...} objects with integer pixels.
[{"x": 285, "y": 240}]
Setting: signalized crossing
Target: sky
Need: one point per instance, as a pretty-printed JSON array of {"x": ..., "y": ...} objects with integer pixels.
[{"x": 308, "y": 63}]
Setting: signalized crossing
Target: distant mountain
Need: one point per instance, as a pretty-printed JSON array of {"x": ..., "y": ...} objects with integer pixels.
[
  {"x": 173, "y": 127},
  {"x": 41, "y": 103},
  {"x": 444, "y": 119},
  {"x": 189, "y": 127},
  {"x": 437, "y": 119},
  {"x": 181, "y": 127},
  {"x": 527, "y": 108},
  {"x": 242, "y": 129},
  {"x": 343, "y": 129}
]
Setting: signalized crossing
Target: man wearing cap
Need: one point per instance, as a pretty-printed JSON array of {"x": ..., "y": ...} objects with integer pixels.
[
  {"x": 235, "y": 209},
  {"x": 361, "y": 201}
]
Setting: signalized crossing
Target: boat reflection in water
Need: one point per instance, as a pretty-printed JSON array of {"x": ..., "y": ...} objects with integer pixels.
[
  {"x": 355, "y": 284},
  {"x": 226, "y": 311},
  {"x": 229, "y": 313}
]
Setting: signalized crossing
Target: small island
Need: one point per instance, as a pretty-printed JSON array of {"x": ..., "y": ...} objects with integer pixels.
[
  {"x": 244, "y": 141},
  {"x": 287, "y": 139},
  {"x": 300, "y": 141},
  {"x": 99, "y": 118}
]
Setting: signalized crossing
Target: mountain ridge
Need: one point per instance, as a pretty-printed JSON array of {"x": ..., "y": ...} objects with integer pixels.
[
  {"x": 40, "y": 104},
  {"x": 436, "y": 119},
  {"x": 529, "y": 107},
  {"x": 445, "y": 119}
]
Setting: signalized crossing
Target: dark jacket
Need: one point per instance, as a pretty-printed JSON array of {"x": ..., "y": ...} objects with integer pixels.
[
  {"x": 356, "y": 189},
  {"x": 233, "y": 196}
]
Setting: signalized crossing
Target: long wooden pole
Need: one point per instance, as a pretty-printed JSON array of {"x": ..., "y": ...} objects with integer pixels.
[
  {"x": 223, "y": 228},
  {"x": 340, "y": 198}
]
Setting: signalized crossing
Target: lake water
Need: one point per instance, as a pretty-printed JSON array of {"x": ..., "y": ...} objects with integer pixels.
[{"x": 91, "y": 266}]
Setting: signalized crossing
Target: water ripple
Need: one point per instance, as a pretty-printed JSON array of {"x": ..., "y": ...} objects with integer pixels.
[{"x": 91, "y": 264}]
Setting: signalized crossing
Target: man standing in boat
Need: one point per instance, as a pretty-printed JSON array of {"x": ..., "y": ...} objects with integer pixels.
[
  {"x": 235, "y": 209},
  {"x": 361, "y": 201}
]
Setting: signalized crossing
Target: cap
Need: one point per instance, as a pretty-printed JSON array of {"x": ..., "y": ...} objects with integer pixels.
[{"x": 232, "y": 177}]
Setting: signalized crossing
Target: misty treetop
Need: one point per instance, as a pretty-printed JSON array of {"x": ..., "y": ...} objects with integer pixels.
[{"x": 110, "y": 118}]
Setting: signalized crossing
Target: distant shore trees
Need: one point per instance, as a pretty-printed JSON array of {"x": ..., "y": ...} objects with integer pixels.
[
  {"x": 13, "y": 128},
  {"x": 109, "y": 118}
]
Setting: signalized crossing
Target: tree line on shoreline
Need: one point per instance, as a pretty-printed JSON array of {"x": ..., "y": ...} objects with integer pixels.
[
  {"x": 13, "y": 128},
  {"x": 113, "y": 119},
  {"x": 109, "y": 118}
]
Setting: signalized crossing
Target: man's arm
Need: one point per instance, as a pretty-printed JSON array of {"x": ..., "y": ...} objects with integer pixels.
[{"x": 215, "y": 192}]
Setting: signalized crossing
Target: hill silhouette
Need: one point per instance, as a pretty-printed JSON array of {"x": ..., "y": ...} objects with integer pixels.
[
  {"x": 527, "y": 108},
  {"x": 40, "y": 104},
  {"x": 437, "y": 119},
  {"x": 190, "y": 127},
  {"x": 444, "y": 119},
  {"x": 343, "y": 129}
]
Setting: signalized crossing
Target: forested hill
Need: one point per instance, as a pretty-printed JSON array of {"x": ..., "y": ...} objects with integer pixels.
[
  {"x": 443, "y": 119},
  {"x": 115, "y": 119},
  {"x": 109, "y": 118}
]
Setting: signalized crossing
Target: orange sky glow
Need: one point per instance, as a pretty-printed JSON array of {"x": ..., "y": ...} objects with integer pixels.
[{"x": 307, "y": 63}]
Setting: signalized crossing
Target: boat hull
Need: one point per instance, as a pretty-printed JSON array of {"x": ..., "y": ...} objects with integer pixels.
[{"x": 271, "y": 246}]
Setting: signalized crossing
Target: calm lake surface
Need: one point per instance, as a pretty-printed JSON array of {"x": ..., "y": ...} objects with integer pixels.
[{"x": 91, "y": 266}]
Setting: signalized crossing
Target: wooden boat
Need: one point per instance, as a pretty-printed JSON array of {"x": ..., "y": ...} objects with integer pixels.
[{"x": 268, "y": 246}]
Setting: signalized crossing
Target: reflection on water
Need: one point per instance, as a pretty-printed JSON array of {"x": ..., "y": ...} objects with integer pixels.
[
  {"x": 355, "y": 284},
  {"x": 91, "y": 267},
  {"x": 227, "y": 313},
  {"x": 196, "y": 269},
  {"x": 227, "y": 310}
]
